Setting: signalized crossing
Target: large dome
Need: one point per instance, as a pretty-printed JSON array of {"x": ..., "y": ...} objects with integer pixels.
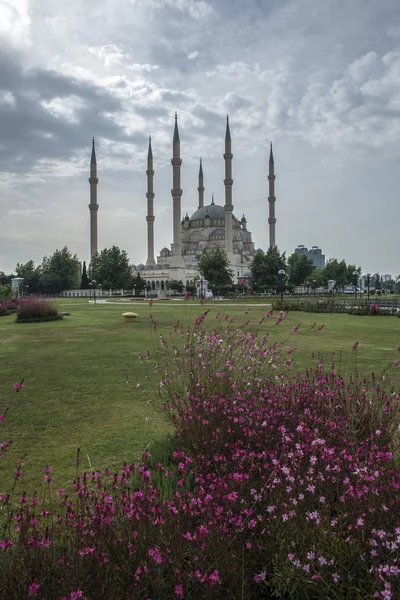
[{"x": 214, "y": 211}]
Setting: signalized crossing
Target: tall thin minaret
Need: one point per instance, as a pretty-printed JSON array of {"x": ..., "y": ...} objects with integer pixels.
[
  {"x": 93, "y": 206},
  {"x": 271, "y": 200},
  {"x": 228, "y": 181},
  {"x": 150, "y": 208},
  {"x": 176, "y": 162},
  {"x": 201, "y": 186}
]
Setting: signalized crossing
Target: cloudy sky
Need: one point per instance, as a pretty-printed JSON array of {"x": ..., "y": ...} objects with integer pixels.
[{"x": 319, "y": 79}]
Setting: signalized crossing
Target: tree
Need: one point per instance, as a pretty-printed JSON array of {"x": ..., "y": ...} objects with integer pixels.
[
  {"x": 349, "y": 273},
  {"x": 85, "y": 278},
  {"x": 59, "y": 272},
  {"x": 265, "y": 269},
  {"x": 111, "y": 269},
  {"x": 5, "y": 279},
  {"x": 300, "y": 267},
  {"x": 139, "y": 284},
  {"x": 5, "y": 291},
  {"x": 176, "y": 286},
  {"x": 31, "y": 276},
  {"x": 214, "y": 267},
  {"x": 377, "y": 281}
]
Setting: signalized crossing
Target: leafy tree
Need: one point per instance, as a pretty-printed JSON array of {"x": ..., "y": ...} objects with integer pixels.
[
  {"x": 300, "y": 267},
  {"x": 30, "y": 274},
  {"x": 59, "y": 272},
  {"x": 349, "y": 273},
  {"x": 85, "y": 278},
  {"x": 318, "y": 276},
  {"x": 214, "y": 267},
  {"x": 335, "y": 270},
  {"x": 5, "y": 279},
  {"x": 377, "y": 281},
  {"x": 139, "y": 284},
  {"x": 176, "y": 286},
  {"x": 265, "y": 269},
  {"x": 111, "y": 269},
  {"x": 5, "y": 291},
  {"x": 389, "y": 284}
]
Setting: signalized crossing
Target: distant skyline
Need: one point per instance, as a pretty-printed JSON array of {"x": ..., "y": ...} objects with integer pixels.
[{"x": 319, "y": 80}]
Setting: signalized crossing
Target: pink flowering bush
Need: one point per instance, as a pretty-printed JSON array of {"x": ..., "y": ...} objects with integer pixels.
[
  {"x": 37, "y": 310},
  {"x": 283, "y": 485}
]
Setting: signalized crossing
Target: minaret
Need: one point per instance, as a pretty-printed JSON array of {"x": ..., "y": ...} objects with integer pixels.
[
  {"x": 271, "y": 200},
  {"x": 93, "y": 206},
  {"x": 228, "y": 181},
  {"x": 150, "y": 208},
  {"x": 176, "y": 162},
  {"x": 201, "y": 186}
]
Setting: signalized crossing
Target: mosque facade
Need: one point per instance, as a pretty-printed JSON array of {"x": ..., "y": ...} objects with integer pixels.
[{"x": 209, "y": 228}]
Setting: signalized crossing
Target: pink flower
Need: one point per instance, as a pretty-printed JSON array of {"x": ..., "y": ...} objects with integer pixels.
[
  {"x": 179, "y": 591},
  {"x": 18, "y": 385},
  {"x": 150, "y": 302},
  {"x": 295, "y": 329},
  {"x": 232, "y": 496},
  {"x": 33, "y": 588},
  {"x": 355, "y": 346},
  {"x": 75, "y": 595}
]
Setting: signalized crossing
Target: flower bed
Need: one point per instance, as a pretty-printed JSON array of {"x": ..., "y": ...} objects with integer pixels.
[
  {"x": 281, "y": 485},
  {"x": 37, "y": 310}
]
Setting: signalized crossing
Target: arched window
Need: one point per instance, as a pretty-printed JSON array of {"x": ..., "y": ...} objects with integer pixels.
[
  {"x": 157, "y": 285},
  {"x": 167, "y": 285},
  {"x": 162, "y": 285},
  {"x": 153, "y": 285}
]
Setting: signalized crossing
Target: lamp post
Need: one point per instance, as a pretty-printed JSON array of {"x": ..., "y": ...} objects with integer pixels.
[
  {"x": 368, "y": 279},
  {"x": 282, "y": 275},
  {"x": 308, "y": 284},
  {"x": 314, "y": 286},
  {"x": 92, "y": 286},
  {"x": 355, "y": 273}
]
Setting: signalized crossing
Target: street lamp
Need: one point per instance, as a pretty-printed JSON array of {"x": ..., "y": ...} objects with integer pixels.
[
  {"x": 355, "y": 273},
  {"x": 282, "y": 274},
  {"x": 315, "y": 286},
  {"x": 308, "y": 284},
  {"x": 368, "y": 281},
  {"x": 92, "y": 285}
]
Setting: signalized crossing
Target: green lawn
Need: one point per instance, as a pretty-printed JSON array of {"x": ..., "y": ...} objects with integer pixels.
[{"x": 75, "y": 373}]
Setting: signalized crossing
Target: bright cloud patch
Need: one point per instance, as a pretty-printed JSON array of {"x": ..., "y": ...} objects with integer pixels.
[{"x": 65, "y": 108}]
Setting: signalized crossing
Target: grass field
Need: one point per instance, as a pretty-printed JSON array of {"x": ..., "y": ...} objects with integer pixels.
[{"x": 75, "y": 374}]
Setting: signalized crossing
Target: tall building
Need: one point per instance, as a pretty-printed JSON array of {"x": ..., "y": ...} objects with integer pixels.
[
  {"x": 210, "y": 227},
  {"x": 314, "y": 254},
  {"x": 93, "y": 206}
]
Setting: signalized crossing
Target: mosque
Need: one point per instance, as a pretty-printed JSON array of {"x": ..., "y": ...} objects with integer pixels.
[{"x": 210, "y": 227}]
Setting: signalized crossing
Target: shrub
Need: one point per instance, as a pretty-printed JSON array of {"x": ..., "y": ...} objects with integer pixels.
[
  {"x": 4, "y": 310},
  {"x": 287, "y": 487},
  {"x": 37, "y": 310}
]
